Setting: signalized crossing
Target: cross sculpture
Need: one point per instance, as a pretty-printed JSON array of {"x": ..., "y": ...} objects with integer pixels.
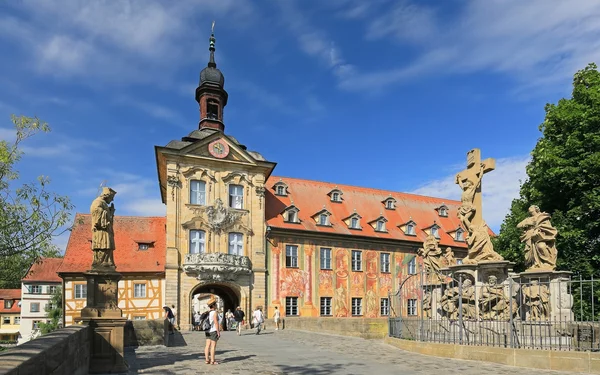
[{"x": 479, "y": 243}]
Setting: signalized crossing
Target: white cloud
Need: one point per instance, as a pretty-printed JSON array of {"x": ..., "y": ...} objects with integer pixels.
[
  {"x": 153, "y": 109},
  {"x": 499, "y": 188},
  {"x": 538, "y": 43}
]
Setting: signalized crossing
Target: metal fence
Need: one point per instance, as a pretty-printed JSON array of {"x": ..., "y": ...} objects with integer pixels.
[{"x": 545, "y": 312}]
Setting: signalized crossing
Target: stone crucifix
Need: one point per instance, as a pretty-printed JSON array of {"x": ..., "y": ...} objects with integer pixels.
[{"x": 470, "y": 182}]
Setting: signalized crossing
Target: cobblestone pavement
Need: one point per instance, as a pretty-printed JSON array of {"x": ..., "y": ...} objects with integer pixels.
[{"x": 302, "y": 353}]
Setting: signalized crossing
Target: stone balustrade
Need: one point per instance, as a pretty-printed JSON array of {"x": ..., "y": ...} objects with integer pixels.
[
  {"x": 217, "y": 266},
  {"x": 66, "y": 351}
]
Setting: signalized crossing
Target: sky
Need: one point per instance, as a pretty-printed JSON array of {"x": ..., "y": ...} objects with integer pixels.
[{"x": 388, "y": 94}]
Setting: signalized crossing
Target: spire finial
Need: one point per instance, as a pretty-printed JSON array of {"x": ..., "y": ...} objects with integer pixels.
[{"x": 211, "y": 48}]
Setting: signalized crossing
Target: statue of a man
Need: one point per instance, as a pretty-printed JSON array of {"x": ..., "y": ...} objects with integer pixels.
[
  {"x": 103, "y": 237},
  {"x": 539, "y": 239},
  {"x": 493, "y": 303},
  {"x": 432, "y": 255},
  {"x": 467, "y": 209},
  {"x": 537, "y": 297}
]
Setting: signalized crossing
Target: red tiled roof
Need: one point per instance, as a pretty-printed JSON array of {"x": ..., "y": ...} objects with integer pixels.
[
  {"x": 13, "y": 294},
  {"x": 311, "y": 196},
  {"x": 44, "y": 269},
  {"x": 128, "y": 232}
]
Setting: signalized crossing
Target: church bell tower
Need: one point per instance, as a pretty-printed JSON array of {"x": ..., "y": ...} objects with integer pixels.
[{"x": 210, "y": 94}]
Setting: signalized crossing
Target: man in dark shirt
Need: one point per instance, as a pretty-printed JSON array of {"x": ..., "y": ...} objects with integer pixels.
[
  {"x": 239, "y": 315},
  {"x": 170, "y": 317}
]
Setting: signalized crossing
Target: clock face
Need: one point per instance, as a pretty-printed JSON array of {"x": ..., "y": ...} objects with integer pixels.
[{"x": 218, "y": 149}]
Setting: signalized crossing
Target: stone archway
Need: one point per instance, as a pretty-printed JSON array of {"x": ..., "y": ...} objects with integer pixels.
[{"x": 229, "y": 293}]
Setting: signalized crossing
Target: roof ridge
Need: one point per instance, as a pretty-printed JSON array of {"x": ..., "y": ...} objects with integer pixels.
[
  {"x": 126, "y": 216},
  {"x": 338, "y": 185}
]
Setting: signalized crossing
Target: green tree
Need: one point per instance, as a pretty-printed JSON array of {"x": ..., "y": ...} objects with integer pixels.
[
  {"x": 30, "y": 215},
  {"x": 54, "y": 313},
  {"x": 563, "y": 179}
]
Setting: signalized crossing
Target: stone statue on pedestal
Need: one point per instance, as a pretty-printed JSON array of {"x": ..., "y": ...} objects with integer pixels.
[
  {"x": 537, "y": 297},
  {"x": 539, "y": 239},
  {"x": 103, "y": 237},
  {"x": 432, "y": 255},
  {"x": 468, "y": 300},
  {"x": 449, "y": 255}
]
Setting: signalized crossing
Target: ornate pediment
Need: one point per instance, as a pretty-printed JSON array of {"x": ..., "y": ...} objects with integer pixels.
[{"x": 217, "y": 266}]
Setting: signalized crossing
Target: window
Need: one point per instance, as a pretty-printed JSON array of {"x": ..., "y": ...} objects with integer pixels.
[
  {"x": 291, "y": 306},
  {"x": 139, "y": 290},
  {"x": 36, "y": 324},
  {"x": 52, "y": 289},
  {"x": 292, "y": 216},
  {"x": 50, "y": 306},
  {"x": 212, "y": 110},
  {"x": 385, "y": 262},
  {"x": 291, "y": 256},
  {"x": 198, "y": 192},
  {"x": 356, "y": 306},
  {"x": 143, "y": 246},
  {"x": 410, "y": 229},
  {"x": 411, "y": 307},
  {"x": 385, "y": 307},
  {"x": 6, "y": 320},
  {"x": 17, "y": 320},
  {"x": 8, "y": 303},
  {"x": 236, "y": 244},
  {"x": 36, "y": 289},
  {"x": 280, "y": 190},
  {"x": 354, "y": 223},
  {"x": 34, "y": 307},
  {"x": 443, "y": 211},
  {"x": 323, "y": 219},
  {"x": 380, "y": 227},
  {"x": 325, "y": 258},
  {"x": 197, "y": 241},
  {"x": 435, "y": 232},
  {"x": 460, "y": 235},
  {"x": 389, "y": 204},
  {"x": 356, "y": 260},
  {"x": 236, "y": 196},
  {"x": 325, "y": 306},
  {"x": 412, "y": 266},
  {"x": 139, "y": 318},
  {"x": 80, "y": 291}
]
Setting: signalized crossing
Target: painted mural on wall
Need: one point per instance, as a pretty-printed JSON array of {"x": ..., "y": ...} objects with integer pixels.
[
  {"x": 325, "y": 283},
  {"x": 294, "y": 282},
  {"x": 340, "y": 298}
]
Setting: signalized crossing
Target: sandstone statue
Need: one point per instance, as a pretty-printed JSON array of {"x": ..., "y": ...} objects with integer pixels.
[
  {"x": 433, "y": 257},
  {"x": 449, "y": 302},
  {"x": 539, "y": 239},
  {"x": 493, "y": 303},
  {"x": 427, "y": 305},
  {"x": 479, "y": 244},
  {"x": 449, "y": 255},
  {"x": 537, "y": 297},
  {"x": 103, "y": 237},
  {"x": 468, "y": 300}
]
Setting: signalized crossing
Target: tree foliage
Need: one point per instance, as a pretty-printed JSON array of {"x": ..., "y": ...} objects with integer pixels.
[
  {"x": 30, "y": 215},
  {"x": 54, "y": 313},
  {"x": 564, "y": 179}
]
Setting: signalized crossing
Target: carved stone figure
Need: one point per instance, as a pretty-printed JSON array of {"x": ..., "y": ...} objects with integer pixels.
[
  {"x": 427, "y": 305},
  {"x": 480, "y": 246},
  {"x": 468, "y": 300},
  {"x": 432, "y": 255},
  {"x": 103, "y": 237},
  {"x": 467, "y": 209},
  {"x": 220, "y": 217},
  {"x": 539, "y": 238},
  {"x": 449, "y": 302},
  {"x": 537, "y": 297},
  {"x": 449, "y": 255},
  {"x": 217, "y": 266},
  {"x": 493, "y": 303}
]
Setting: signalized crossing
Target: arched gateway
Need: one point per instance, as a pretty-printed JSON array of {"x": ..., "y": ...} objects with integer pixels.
[{"x": 230, "y": 293}]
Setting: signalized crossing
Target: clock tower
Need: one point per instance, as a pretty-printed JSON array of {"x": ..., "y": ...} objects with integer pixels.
[{"x": 210, "y": 94}]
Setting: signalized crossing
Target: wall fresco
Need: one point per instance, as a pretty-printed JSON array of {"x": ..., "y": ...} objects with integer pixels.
[
  {"x": 340, "y": 299},
  {"x": 293, "y": 282},
  {"x": 325, "y": 283}
]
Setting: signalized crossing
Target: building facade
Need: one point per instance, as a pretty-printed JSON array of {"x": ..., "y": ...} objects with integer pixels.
[
  {"x": 10, "y": 316},
  {"x": 37, "y": 288},
  {"x": 139, "y": 257}
]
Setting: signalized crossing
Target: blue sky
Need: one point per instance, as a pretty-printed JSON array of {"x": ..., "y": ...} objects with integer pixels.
[{"x": 388, "y": 94}]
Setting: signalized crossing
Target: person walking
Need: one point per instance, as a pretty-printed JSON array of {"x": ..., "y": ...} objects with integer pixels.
[
  {"x": 213, "y": 334},
  {"x": 276, "y": 318},
  {"x": 196, "y": 321},
  {"x": 258, "y": 319},
  {"x": 171, "y": 318},
  {"x": 239, "y": 315},
  {"x": 229, "y": 320}
]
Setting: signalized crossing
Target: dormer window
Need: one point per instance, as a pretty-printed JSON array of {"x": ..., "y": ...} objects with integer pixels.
[
  {"x": 323, "y": 219},
  {"x": 212, "y": 110},
  {"x": 354, "y": 223},
  {"x": 281, "y": 188},
  {"x": 291, "y": 214},
  {"x": 380, "y": 226},
  {"x": 410, "y": 228},
  {"x": 143, "y": 246},
  {"x": 443, "y": 210},
  {"x": 389, "y": 203},
  {"x": 336, "y": 195},
  {"x": 435, "y": 231},
  {"x": 459, "y": 235}
]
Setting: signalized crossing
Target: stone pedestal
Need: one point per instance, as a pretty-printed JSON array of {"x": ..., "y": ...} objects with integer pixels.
[
  {"x": 561, "y": 301},
  {"x": 106, "y": 319},
  {"x": 480, "y": 272}
]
